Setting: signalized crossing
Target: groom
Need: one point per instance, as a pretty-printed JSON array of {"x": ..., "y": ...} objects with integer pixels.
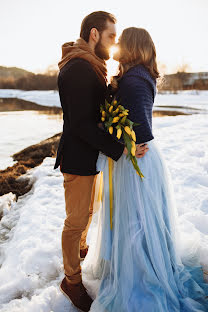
[{"x": 82, "y": 87}]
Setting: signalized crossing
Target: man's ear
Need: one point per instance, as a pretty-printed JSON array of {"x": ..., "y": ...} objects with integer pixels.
[{"x": 94, "y": 34}]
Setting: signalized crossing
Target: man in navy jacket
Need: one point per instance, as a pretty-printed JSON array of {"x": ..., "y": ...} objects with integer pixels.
[{"x": 81, "y": 93}]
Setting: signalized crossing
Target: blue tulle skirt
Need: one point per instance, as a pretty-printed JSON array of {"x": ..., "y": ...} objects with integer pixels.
[{"x": 137, "y": 262}]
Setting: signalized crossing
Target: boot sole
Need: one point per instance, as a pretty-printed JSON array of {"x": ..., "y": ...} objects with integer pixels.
[{"x": 68, "y": 298}]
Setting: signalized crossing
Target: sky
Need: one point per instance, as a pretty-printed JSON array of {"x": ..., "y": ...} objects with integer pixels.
[{"x": 32, "y": 31}]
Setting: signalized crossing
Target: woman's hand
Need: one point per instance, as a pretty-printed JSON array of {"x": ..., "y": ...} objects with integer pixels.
[
  {"x": 125, "y": 151},
  {"x": 141, "y": 150}
]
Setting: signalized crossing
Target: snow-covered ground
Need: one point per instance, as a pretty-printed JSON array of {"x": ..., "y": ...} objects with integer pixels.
[
  {"x": 30, "y": 230},
  {"x": 191, "y": 101},
  {"x": 184, "y": 100},
  {"x": 21, "y": 129}
]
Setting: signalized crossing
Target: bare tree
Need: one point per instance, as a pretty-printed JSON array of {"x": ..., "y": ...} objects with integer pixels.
[{"x": 183, "y": 68}]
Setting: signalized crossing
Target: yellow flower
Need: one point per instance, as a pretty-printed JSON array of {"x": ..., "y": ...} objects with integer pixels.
[
  {"x": 121, "y": 115},
  {"x": 133, "y": 150},
  {"x": 115, "y": 119},
  {"x": 110, "y": 130},
  {"x": 114, "y": 113},
  {"x": 128, "y": 130},
  {"x": 103, "y": 118},
  {"x": 111, "y": 108},
  {"x": 140, "y": 174},
  {"x": 123, "y": 120},
  {"x": 103, "y": 113},
  {"x": 119, "y": 132},
  {"x": 133, "y": 135},
  {"x": 125, "y": 113},
  {"x": 133, "y": 144},
  {"x": 115, "y": 102}
]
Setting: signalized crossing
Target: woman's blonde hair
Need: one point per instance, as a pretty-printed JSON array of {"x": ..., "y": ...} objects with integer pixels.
[{"x": 136, "y": 47}]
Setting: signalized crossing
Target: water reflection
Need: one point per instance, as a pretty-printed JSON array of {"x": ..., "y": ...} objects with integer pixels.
[{"x": 20, "y": 129}]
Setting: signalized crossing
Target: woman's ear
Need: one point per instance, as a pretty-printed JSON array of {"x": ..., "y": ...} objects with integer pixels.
[{"x": 94, "y": 35}]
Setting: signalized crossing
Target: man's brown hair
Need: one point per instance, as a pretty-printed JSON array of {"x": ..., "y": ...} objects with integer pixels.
[{"x": 96, "y": 20}]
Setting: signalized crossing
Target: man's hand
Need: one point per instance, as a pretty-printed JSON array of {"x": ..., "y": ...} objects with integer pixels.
[{"x": 141, "y": 150}]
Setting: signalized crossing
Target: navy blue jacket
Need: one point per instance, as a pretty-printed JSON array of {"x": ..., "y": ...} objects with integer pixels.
[
  {"x": 137, "y": 90},
  {"x": 81, "y": 94}
]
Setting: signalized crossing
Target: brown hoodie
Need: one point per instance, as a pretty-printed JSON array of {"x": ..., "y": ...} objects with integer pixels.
[{"x": 81, "y": 49}]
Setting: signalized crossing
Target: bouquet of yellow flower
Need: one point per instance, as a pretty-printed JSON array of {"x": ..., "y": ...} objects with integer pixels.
[{"x": 114, "y": 116}]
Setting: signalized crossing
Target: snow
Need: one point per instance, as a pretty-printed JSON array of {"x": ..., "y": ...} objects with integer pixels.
[
  {"x": 21, "y": 129},
  {"x": 30, "y": 231},
  {"x": 191, "y": 101},
  {"x": 31, "y": 252}
]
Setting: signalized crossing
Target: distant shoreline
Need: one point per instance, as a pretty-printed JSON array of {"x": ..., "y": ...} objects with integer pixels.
[{"x": 15, "y": 104}]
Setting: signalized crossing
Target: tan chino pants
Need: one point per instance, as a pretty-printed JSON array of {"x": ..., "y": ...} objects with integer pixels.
[{"x": 79, "y": 197}]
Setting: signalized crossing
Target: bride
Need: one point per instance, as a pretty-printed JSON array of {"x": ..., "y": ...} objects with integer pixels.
[{"x": 137, "y": 264}]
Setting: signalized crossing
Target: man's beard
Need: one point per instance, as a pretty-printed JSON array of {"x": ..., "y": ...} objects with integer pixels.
[{"x": 101, "y": 51}]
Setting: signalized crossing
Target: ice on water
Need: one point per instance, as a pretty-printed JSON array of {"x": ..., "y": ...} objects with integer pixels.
[{"x": 24, "y": 128}]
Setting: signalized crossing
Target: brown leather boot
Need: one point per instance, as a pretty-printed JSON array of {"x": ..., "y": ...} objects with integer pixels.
[
  {"x": 77, "y": 294},
  {"x": 83, "y": 253}
]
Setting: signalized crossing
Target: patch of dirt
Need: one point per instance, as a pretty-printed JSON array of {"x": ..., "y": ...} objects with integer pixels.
[
  {"x": 161, "y": 113},
  {"x": 28, "y": 158}
]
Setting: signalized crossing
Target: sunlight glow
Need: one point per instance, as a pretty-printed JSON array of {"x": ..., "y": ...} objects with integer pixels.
[
  {"x": 112, "y": 67},
  {"x": 113, "y": 50},
  {"x": 178, "y": 34}
]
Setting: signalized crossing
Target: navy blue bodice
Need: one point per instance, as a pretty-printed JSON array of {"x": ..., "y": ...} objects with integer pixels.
[{"x": 137, "y": 90}]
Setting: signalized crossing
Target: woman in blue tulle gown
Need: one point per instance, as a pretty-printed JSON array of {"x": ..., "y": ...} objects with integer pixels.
[{"x": 137, "y": 263}]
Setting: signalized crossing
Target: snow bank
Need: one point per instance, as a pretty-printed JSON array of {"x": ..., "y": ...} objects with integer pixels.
[
  {"x": 31, "y": 252},
  {"x": 31, "y": 258}
]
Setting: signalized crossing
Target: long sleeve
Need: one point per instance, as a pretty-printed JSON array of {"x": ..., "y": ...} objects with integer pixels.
[
  {"x": 79, "y": 89},
  {"x": 136, "y": 95}
]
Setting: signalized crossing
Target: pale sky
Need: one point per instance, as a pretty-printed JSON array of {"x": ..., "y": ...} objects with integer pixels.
[{"x": 32, "y": 31}]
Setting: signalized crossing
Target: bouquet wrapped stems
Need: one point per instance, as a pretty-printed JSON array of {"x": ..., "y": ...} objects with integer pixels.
[{"x": 114, "y": 117}]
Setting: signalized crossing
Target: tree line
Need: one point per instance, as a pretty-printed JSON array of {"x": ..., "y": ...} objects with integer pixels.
[{"x": 30, "y": 82}]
